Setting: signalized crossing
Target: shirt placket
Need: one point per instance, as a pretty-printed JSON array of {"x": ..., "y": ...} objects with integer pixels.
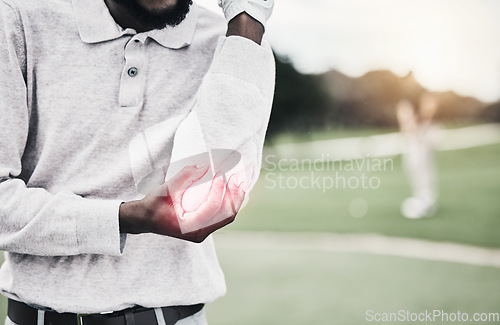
[{"x": 133, "y": 78}]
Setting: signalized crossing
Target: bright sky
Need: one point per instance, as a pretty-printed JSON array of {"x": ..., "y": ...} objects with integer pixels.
[{"x": 448, "y": 44}]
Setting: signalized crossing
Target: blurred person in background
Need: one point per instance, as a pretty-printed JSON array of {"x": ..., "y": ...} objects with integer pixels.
[{"x": 418, "y": 157}]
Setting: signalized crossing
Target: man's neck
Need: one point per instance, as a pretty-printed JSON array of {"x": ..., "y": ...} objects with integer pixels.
[{"x": 123, "y": 18}]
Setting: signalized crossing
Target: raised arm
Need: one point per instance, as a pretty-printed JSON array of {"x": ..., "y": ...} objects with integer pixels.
[{"x": 231, "y": 113}]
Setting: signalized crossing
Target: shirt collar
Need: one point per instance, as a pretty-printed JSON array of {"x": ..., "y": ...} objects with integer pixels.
[{"x": 95, "y": 25}]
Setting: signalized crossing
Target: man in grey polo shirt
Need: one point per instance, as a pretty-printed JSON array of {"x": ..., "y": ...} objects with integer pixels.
[{"x": 95, "y": 97}]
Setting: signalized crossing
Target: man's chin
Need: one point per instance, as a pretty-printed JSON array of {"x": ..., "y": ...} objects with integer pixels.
[{"x": 157, "y": 18}]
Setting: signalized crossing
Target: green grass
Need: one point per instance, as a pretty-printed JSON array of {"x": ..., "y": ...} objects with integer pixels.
[
  {"x": 287, "y": 287},
  {"x": 469, "y": 204}
]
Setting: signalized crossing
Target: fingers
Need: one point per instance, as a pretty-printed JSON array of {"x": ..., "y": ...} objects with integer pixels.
[
  {"x": 201, "y": 217},
  {"x": 235, "y": 195},
  {"x": 183, "y": 179},
  {"x": 181, "y": 182},
  {"x": 231, "y": 204},
  {"x": 220, "y": 207}
]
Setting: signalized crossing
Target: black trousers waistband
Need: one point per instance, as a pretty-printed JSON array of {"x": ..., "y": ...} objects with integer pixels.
[{"x": 22, "y": 314}]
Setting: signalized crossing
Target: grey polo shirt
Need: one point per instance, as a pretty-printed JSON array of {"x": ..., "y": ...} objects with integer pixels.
[{"x": 75, "y": 91}]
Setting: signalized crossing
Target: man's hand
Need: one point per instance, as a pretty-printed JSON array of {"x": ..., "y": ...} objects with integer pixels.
[{"x": 162, "y": 211}]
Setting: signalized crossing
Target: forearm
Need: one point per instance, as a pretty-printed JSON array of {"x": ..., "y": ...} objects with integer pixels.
[
  {"x": 245, "y": 26},
  {"x": 131, "y": 217},
  {"x": 235, "y": 99},
  {"x": 232, "y": 111},
  {"x": 147, "y": 215},
  {"x": 36, "y": 222}
]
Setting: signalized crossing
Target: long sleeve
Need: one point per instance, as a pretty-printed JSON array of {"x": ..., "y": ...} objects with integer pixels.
[
  {"x": 235, "y": 99},
  {"x": 229, "y": 117},
  {"x": 32, "y": 220}
]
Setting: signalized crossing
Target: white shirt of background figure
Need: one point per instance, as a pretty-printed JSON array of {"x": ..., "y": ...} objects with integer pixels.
[{"x": 418, "y": 156}]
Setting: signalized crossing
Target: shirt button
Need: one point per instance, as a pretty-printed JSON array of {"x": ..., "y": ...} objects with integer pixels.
[{"x": 132, "y": 72}]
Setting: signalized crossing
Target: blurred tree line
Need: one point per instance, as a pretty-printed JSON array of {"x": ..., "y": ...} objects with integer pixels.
[
  {"x": 306, "y": 102},
  {"x": 301, "y": 102}
]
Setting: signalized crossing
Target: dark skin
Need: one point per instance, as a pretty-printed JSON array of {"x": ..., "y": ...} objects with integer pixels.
[
  {"x": 241, "y": 25},
  {"x": 161, "y": 211},
  {"x": 158, "y": 211}
]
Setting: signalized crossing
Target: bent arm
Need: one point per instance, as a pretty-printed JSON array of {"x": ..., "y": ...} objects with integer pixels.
[
  {"x": 234, "y": 101},
  {"x": 232, "y": 110}
]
